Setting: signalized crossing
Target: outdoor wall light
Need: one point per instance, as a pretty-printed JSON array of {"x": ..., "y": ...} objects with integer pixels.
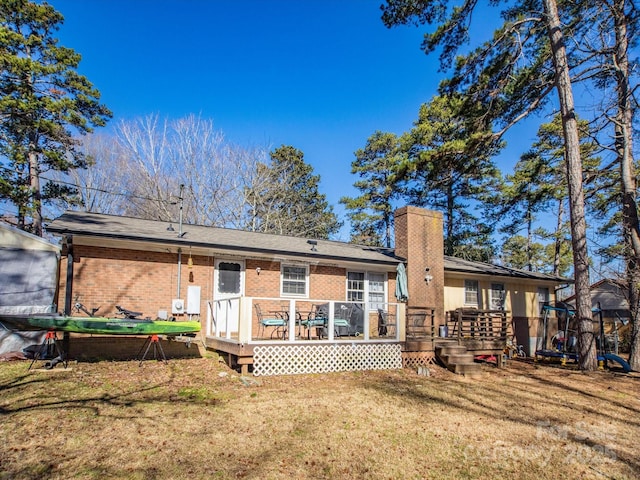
[
  {"x": 170, "y": 228},
  {"x": 313, "y": 244},
  {"x": 428, "y": 277},
  {"x": 258, "y": 270}
]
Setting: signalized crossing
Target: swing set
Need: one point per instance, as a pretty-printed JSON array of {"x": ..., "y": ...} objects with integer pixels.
[{"x": 564, "y": 343}]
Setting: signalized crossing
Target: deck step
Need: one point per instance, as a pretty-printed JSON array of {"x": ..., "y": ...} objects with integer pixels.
[
  {"x": 451, "y": 350},
  {"x": 457, "y": 358},
  {"x": 467, "y": 369}
]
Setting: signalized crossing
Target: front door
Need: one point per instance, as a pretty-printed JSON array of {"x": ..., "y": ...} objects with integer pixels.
[{"x": 228, "y": 287}]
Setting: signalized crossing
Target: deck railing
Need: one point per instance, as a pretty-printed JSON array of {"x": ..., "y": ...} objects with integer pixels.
[
  {"x": 481, "y": 325},
  {"x": 421, "y": 323},
  {"x": 235, "y": 319}
]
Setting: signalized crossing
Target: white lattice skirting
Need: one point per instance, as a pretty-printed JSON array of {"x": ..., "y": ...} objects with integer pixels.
[{"x": 296, "y": 359}]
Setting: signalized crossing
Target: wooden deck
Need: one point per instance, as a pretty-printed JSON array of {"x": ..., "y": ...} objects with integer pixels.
[
  {"x": 235, "y": 354},
  {"x": 481, "y": 332},
  {"x": 477, "y": 332}
]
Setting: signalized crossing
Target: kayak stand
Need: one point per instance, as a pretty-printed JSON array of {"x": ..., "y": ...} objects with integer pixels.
[
  {"x": 49, "y": 344},
  {"x": 157, "y": 347}
]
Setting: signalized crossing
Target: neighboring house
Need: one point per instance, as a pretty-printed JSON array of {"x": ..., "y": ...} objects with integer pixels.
[
  {"x": 223, "y": 276},
  {"x": 608, "y": 295}
]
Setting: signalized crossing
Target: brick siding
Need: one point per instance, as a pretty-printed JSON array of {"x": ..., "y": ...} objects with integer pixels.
[
  {"x": 419, "y": 239},
  {"x": 147, "y": 281}
]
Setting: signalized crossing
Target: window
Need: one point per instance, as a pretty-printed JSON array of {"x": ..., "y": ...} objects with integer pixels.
[
  {"x": 355, "y": 286},
  {"x": 497, "y": 296},
  {"x": 377, "y": 297},
  {"x": 471, "y": 292},
  {"x": 543, "y": 297},
  {"x": 229, "y": 277},
  {"x": 370, "y": 286},
  {"x": 294, "y": 280}
]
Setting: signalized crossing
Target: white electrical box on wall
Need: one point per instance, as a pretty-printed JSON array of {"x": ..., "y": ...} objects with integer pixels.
[
  {"x": 177, "y": 306},
  {"x": 193, "y": 300}
]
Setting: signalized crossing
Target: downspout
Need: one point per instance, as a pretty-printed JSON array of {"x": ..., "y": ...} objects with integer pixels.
[
  {"x": 68, "y": 289},
  {"x": 179, "y": 271},
  {"x": 180, "y": 249},
  {"x": 69, "y": 286}
]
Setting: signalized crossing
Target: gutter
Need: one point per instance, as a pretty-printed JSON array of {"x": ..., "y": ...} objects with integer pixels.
[{"x": 393, "y": 261}]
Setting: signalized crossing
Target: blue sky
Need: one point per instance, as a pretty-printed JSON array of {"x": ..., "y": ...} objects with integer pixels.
[{"x": 321, "y": 76}]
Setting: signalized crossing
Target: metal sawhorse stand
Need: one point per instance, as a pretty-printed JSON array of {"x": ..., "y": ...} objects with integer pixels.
[
  {"x": 50, "y": 343},
  {"x": 157, "y": 347}
]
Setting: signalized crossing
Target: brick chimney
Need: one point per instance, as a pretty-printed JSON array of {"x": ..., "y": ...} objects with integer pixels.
[{"x": 419, "y": 239}]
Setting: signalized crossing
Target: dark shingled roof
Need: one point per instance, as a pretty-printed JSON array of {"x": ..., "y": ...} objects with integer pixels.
[
  {"x": 127, "y": 228},
  {"x": 247, "y": 243},
  {"x": 453, "y": 264}
]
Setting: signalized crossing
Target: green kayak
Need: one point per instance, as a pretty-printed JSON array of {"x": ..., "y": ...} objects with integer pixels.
[{"x": 98, "y": 325}]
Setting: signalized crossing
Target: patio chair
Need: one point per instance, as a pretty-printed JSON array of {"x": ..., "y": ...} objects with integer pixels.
[
  {"x": 342, "y": 318},
  {"x": 278, "y": 322},
  {"x": 317, "y": 319},
  {"x": 386, "y": 323}
]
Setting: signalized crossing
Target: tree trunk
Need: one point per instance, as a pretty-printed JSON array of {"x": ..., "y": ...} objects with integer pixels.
[
  {"x": 448, "y": 242},
  {"x": 624, "y": 151},
  {"x": 557, "y": 251},
  {"x": 529, "y": 217},
  {"x": 586, "y": 339},
  {"x": 36, "y": 196}
]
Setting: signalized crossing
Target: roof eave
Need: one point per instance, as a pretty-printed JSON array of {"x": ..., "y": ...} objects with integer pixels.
[{"x": 315, "y": 256}]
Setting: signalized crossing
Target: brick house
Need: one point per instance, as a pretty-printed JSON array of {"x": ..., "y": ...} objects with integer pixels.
[{"x": 223, "y": 276}]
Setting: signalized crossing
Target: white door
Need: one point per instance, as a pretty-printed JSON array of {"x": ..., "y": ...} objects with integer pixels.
[{"x": 228, "y": 287}]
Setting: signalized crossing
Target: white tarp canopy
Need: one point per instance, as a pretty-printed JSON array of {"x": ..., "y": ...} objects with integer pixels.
[{"x": 28, "y": 281}]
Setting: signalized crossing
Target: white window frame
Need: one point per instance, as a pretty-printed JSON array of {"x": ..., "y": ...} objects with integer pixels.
[
  {"x": 306, "y": 280},
  {"x": 545, "y": 293},
  {"x": 367, "y": 290},
  {"x": 492, "y": 299},
  {"x": 468, "y": 283},
  {"x": 364, "y": 285},
  {"x": 216, "y": 278},
  {"x": 384, "y": 302}
]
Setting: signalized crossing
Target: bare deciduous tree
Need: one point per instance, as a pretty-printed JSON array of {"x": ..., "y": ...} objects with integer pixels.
[
  {"x": 152, "y": 167},
  {"x": 165, "y": 155}
]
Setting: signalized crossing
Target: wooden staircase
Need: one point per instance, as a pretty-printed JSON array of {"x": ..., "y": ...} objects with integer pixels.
[{"x": 457, "y": 358}]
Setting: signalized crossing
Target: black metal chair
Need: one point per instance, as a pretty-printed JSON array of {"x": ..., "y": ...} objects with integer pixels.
[
  {"x": 387, "y": 324},
  {"x": 278, "y": 322}
]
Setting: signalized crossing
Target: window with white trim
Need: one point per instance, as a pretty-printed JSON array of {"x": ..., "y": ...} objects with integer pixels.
[
  {"x": 367, "y": 285},
  {"x": 355, "y": 286},
  {"x": 294, "y": 280},
  {"x": 377, "y": 296},
  {"x": 471, "y": 293},
  {"x": 497, "y": 296},
  {"x": 229, "y": 278},
  {"x": 543, "y": 297}
]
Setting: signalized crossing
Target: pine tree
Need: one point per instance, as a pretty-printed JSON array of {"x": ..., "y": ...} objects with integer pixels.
[
  {"x": 44, "y": 102},
  {"x": 539, "y": 185},
  {"x": 371, "y": 213},
  {"x": 447, "y": 166},
  {"x": 287, "y": 200},
  {"x": 507, "y": 78}
]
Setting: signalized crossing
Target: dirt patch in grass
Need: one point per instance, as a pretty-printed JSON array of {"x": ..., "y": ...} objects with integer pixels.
[{"x": 196, "y": 419}]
